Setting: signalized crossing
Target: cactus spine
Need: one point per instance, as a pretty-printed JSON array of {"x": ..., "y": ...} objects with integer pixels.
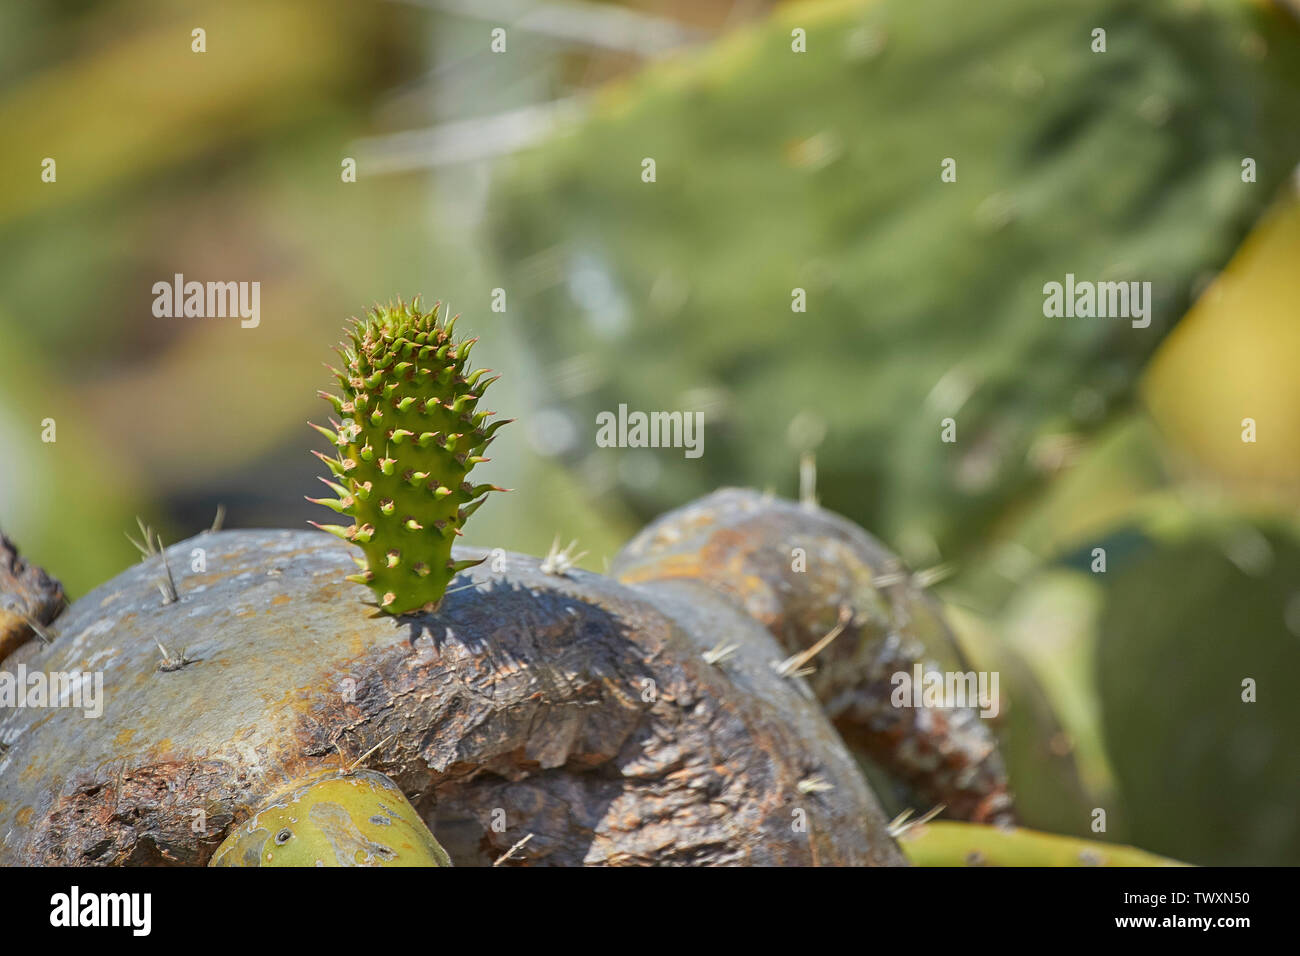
[{"x": 407, "y": 436}]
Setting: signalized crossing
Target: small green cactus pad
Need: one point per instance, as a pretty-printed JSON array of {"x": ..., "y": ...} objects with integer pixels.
[
  {"x": 949, "y": 843},
  {"x": 334, "y": 818},
  {"x": 408, "y": 436},
  {"x": 1197, "y": 649}
]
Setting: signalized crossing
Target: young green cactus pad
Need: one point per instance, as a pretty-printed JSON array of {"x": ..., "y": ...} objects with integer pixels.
[
  {"x": 334, "y": 818},
  {"x": 951, "y": 843},
  {"x": 408, "y": 436}
]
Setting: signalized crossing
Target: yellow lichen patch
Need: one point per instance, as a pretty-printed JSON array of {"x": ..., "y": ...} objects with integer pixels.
[{"x": 672, "y": 566}]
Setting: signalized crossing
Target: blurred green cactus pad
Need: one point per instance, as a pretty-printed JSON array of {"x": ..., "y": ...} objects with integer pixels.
[
  {"x": 1197, "y": 656},
  {"x": 786, "y": 180}
]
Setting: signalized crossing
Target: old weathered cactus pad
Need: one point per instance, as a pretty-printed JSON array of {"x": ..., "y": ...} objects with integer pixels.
[
  {"x": 799, "y": 570},
  {"x": 572, "y": 708}
]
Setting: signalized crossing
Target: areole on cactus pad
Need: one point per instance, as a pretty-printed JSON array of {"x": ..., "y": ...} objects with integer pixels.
[{"x": 410, "y": 434}]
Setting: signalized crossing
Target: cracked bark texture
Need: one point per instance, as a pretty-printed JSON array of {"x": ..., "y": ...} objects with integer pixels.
[{"x": 575, "y": 709}]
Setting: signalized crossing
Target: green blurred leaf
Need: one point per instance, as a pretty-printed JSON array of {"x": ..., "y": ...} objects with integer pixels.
[{"x": 1206, "y": 602}]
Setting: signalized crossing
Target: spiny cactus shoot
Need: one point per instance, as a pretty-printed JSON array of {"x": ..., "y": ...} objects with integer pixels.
[{"x": 408, "y": 435}]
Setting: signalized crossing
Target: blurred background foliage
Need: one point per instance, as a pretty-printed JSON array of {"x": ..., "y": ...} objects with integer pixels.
[{"x": 522, "y": 171}]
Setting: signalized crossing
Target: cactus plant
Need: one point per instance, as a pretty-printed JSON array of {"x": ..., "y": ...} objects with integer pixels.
[
  {"x": 612, "y": 715},
  {"x": 581, "y": 705},
  {"x": 597, "y": 710},
  {"x": 410, "y": 433}
]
